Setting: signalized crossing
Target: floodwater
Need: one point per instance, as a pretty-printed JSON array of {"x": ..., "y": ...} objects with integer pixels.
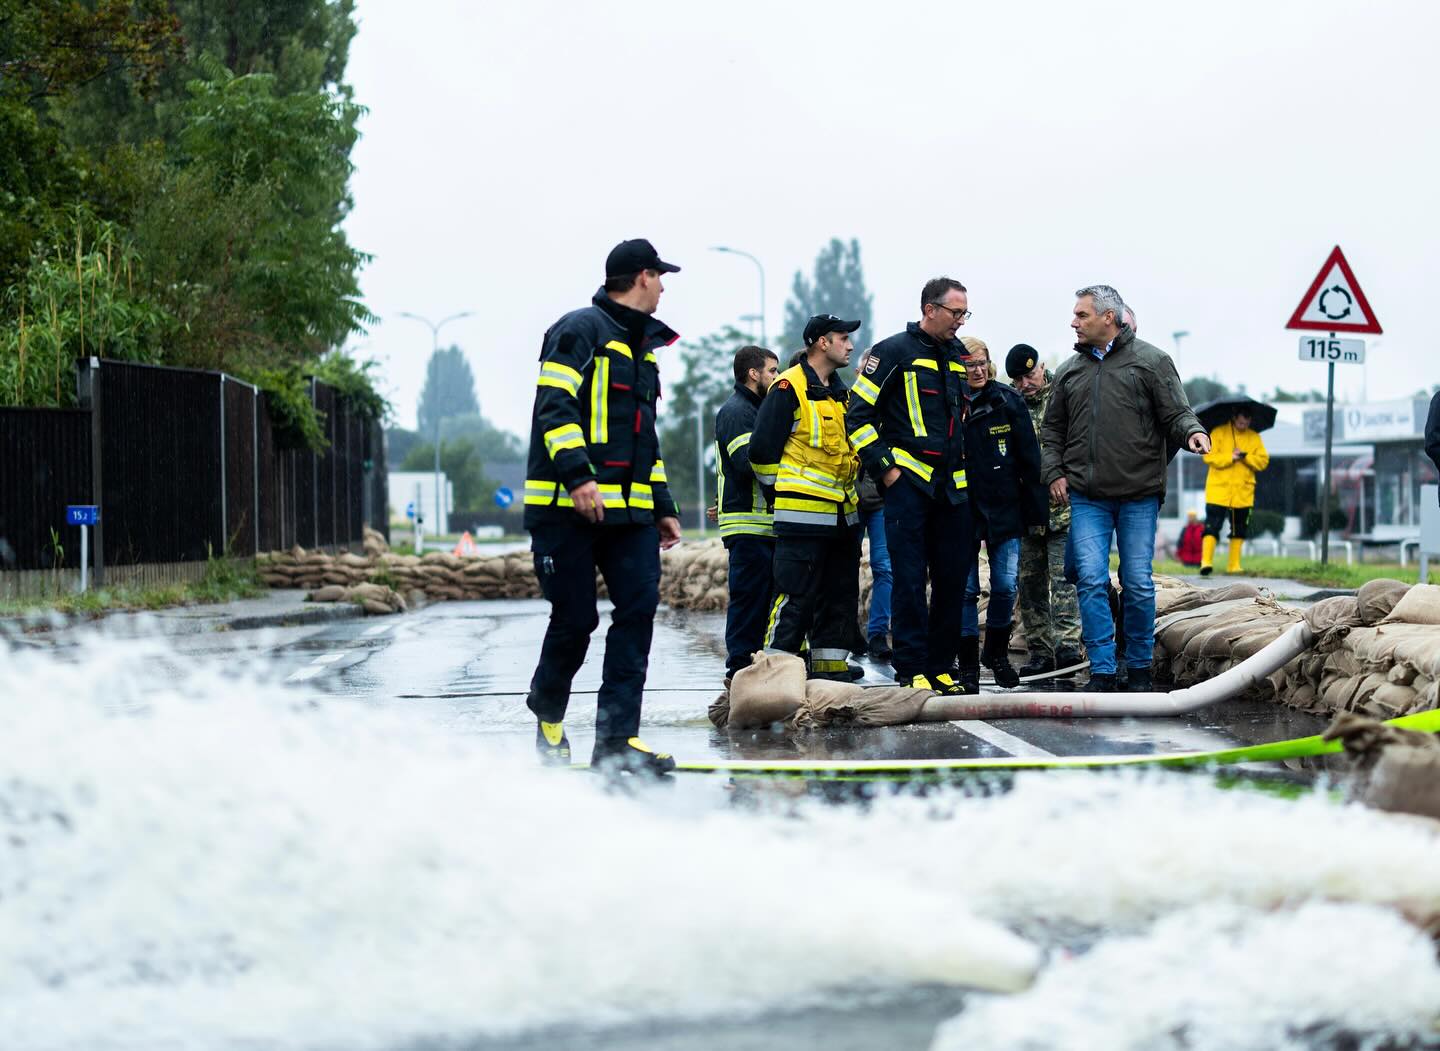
[{"x": 206, "y": 857}]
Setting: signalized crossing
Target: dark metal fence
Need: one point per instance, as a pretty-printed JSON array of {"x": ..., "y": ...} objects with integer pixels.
[
  {"x": 183, "y": 464},
  {"x": 44, "y": 465}
]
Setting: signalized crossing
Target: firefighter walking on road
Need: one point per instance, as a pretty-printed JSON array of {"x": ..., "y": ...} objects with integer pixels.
[
  {"x": 906, "y": 422},
  {"x": 596, "y": 497},
  {"x": 800, "y": 447},
  {"x": 743, "y": 508}
]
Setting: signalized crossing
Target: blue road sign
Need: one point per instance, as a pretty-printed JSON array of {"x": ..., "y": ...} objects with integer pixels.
[
  {"x": 82, "y": 514},
  {"x": 410, "y": 510},
  {"x": 504, "y": 497}
]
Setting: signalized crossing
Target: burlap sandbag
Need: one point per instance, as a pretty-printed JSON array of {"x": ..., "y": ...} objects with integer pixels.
[
  {"x": 329, "y": 593},
  {"x": 1377, "y": 598},
  {"x": 768, "y": 691},
  {"x": 845, "y": 704},
  {"x": 1399, "y": 770},
  {"x": 1420, "y": 605}
]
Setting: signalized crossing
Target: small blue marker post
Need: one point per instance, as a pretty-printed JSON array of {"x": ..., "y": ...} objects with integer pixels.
[{"x": 84, "y": 516}]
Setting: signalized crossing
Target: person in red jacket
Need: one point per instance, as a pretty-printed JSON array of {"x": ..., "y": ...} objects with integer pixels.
[{"x": 1192, "y": 540}]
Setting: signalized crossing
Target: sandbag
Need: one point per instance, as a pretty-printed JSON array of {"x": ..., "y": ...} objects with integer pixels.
[
  {"x": 1377, "y": 598},
  {"x": 846, "y": 704},
  {"x": 768, "y": 691},
  {"x": 1420, "y": 605}
]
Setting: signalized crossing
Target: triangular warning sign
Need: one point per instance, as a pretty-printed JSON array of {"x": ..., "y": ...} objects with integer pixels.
[
  {"x": 1335, "y": 302},
  {"x": 467, "y": 548}
]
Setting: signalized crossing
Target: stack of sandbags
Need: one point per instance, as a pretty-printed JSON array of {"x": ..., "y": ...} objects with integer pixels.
[
  {"x": 436, "y": 575},
  {"x": 1197, "y": 643},
  {"x": 375, "y": 598},
  {"x": 693, "y": 575},
  {"x": 1383, "y": 658}
]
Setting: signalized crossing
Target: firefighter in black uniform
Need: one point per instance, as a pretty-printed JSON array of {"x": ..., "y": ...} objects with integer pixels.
[
  {"x": 799, "y": 446},
  {"x": 906, "y": 422},
  {"x": 596, "y": 497},
  {"x": 744, "y": 508}
]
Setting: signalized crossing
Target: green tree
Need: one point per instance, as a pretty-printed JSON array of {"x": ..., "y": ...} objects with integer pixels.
[
  {"x": 303, "y": 44},
  {"x": 460, "y": 463},
  {"x": 707, "y": 381},
  {"x": 838, "y": 287},
  {"x": 449, "y": 389},
  {"x": 1282, "y": 396},
  {"x": 1200, "y": 389}
]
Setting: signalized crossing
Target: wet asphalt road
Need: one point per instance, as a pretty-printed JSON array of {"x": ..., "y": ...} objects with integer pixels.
[{"x": 467, "y": 665}]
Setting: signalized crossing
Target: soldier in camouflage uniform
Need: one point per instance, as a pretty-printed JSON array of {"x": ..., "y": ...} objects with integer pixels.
[{"x": 1049, "y": 606}]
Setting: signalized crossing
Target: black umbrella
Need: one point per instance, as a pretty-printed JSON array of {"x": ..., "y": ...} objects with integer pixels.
[{"x": 1214, "y": 413}]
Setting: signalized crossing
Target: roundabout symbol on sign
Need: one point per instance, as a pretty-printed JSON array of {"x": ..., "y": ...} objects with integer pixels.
[{"x": 1338, "y": 290}]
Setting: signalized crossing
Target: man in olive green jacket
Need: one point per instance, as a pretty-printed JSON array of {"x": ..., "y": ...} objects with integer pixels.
[{"x": 1116, "y": 405}]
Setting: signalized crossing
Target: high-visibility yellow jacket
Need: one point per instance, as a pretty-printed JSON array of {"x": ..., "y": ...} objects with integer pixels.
[
  {"x": 800, "y": 446},
  {"x": 1231, "y": 482}
]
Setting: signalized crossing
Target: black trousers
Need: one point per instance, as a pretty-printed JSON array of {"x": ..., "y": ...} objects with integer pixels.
[
  {"x": 817, "y": 595},
  {"x": 751, "y": 559},
  {"x": 934, "y": 538},
  {"x": 1216, "y": 515},
  {"x": 566, "y": 557}
]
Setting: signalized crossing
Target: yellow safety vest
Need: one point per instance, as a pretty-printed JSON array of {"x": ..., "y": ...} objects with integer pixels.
[{"x": 815, "y": 482}]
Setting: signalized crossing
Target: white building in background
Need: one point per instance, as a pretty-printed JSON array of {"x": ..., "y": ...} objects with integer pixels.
[{"x": 417, "y": 489}]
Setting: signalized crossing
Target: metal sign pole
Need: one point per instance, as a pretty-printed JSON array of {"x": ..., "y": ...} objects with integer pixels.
[
  {"x": 84, "y": 557},
  {"x": 1329, "y": 437}
]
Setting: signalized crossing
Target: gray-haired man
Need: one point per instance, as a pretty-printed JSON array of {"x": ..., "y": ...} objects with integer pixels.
[{"x": 1115, "y": 405}]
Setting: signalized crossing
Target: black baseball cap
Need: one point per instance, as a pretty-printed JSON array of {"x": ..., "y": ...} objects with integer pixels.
[
  {"x": 633, "y": 256},
  {"x": 824, "y": 324}
]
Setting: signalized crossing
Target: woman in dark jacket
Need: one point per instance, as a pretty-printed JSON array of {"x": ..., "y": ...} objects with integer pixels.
[{"x": 1002, "y": 474}]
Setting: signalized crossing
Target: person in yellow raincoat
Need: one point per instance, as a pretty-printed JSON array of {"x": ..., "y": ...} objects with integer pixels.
[{"x": 1236, "y": 455}]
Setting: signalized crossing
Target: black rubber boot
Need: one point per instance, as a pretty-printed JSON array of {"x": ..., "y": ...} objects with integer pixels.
[
  {"x": 1039, "y": 664},
  {"x": 1101, "y": 684},
  {"x": 879, "y": 649},
  {"x": 997, "y": 657},
  {"x": 852, "y": 673},
  {"x": 551, "y": 744},
  {"x": 1067, "y": 659},
  {"x": 631, "y": 756},
  {"x": 1139, "y": 681},
  {"x": 967, "y": 664}
]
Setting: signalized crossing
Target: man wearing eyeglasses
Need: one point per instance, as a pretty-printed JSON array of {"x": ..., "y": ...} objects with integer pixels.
[{"x": 906, "y": 418}]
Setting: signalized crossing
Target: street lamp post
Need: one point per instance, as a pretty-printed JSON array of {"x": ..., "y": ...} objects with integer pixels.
[
  {"x": 759, "y": 267},
  {"x": 435, "y": 327},
  {"x": 1178, "y": 336}
]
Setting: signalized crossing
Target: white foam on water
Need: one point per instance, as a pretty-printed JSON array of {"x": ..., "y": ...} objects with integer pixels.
[
  {"x": 1225, "y": 979},
  {"x": 207, "y": 861},
  {"x": 204, "y": 859}
]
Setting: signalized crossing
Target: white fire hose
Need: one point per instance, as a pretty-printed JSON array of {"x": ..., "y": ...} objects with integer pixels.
[{"x": 1295, "y": 641}]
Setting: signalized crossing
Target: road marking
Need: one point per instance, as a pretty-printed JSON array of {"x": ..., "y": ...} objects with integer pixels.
[
  {"x": 305, "y": 673},
  {"x": 1000, "y": 739},
  {"x": 327, "y": 658},
  {"x": 378, "y": 629}
]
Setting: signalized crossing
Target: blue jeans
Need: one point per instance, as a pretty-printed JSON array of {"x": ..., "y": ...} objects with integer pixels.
[
  {"x": 873, "y": 523},
  {"x": 1004, "y": 574},
  {"x": 1132, "y": 523}
]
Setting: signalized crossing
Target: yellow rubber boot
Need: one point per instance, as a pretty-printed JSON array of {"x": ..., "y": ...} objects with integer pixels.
[
  {"x": 1207, "y": 556},
  {"x": 1236, "y": 546}
]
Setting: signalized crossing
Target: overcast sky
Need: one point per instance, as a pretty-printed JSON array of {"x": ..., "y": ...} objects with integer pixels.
[{"x": 1203, "y": 158}]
